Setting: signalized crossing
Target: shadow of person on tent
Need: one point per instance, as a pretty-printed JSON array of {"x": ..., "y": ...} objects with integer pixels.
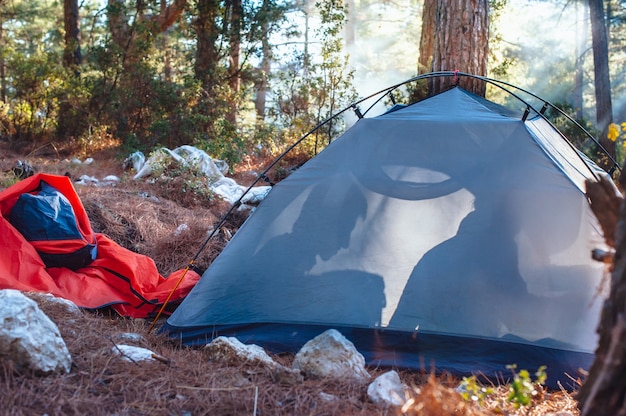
[
  {"x": 468, "y": 283},
  {"x": 472, "y": 283},
  {"x": 463, "y": 284},
  {"x": 308, "y": 282}
]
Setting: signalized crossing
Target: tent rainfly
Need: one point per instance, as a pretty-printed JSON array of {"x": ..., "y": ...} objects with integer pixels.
[{"x": 449, "y": 234}]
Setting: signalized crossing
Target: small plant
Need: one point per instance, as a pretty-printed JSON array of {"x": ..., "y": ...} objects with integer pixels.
[
  {"x": 8, "y": 179},
  {"x": 471, "y": 389},
  {"x": 523, "y": 389},
  {"x": 184, "y": 182}
]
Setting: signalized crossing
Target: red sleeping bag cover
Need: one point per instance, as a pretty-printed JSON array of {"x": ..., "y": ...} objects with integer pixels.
[{"x": 127, "y": 281}]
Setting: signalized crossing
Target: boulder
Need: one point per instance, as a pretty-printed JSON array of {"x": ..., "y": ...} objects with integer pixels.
[
  {"x": 230, "y": 349},
  {"x": 387, "y": 390},
  {"x": 29, "y": 338},
  {"x": 331, "y": 355},
  {"x": 133, "y": 354}
]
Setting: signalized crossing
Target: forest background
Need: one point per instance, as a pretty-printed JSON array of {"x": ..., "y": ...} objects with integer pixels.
[{"x": 246, "y": 78}]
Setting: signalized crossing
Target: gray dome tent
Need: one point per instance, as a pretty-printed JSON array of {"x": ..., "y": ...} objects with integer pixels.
[{"x": 450, "y": 234}]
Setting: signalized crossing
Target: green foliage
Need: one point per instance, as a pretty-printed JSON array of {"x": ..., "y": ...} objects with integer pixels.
[
  {"x": 33, "y": 104},
  {"x": 617, "y": 134},
  {"x": 143, "y": 89},
  {"x": 500, "y": 61},
  {"x": 184, "y": 182},
  {"x": 522, "y": 388},
  {"x": 8, "y": 179},
  {"x": 575, "y": 134},
  {"x": 472, "y": 390},
  {"x": 308, "y": 92},
  {"x": 227, "y": 144}
]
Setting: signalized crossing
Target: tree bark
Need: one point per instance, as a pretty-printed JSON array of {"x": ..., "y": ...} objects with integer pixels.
[
  {"x": 261, "y": 84},
  {"x": 234, "y": 71},
  {"x": 600, "y": 46},
  {"x": 427, "y": 37},
  {"x": 67, "y": 125},
  {"x": 460, "y": 41},
  {"x": 581, "y": 45},
  {"x": 72, "y": 57},
  {"x": 207, "y": 32},
  {"x": 604, "y": 390},
  {"x": 3, "y": 69}
]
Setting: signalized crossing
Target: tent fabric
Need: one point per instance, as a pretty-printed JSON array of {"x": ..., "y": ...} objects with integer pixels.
[
  {"x": 447, "y": 233},
  {"x": 128, "y": 282}
]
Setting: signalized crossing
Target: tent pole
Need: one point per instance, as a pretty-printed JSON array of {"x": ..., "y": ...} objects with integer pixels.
[{"x": 354, "y": 106}]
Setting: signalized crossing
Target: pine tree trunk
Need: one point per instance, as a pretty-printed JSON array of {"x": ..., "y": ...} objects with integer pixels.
[
  {"x": 234, "y": 73},
  {"x": 461, "y": 42},
  {"x": 261, "y": 84},
  {"x": 604, "y": 390},
  {"x": 427, "y": 37},
  {"x": 604, "y": 106},
  {"x": 3, "y": 69},
  {"x": 207, "y": 32},
  {"x": 72, "y": 59},
  {"x": 579, "y": 72},
  {"x": 72, "y": 56}
]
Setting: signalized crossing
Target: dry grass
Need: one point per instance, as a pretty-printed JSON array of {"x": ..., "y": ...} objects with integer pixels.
[
  {"x": 157, "y": 227},
  {"x": 145, "y": 219},
  {"x": 102, "y": 383}
]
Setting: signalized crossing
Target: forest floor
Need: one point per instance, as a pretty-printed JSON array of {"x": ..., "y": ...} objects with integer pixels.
[{"x": 144, "y": 217}]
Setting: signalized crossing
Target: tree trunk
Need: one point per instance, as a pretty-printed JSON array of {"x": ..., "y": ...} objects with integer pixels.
[
  {"x": 604, "y": 390},
  {"x": 72, "y": 57},
  {"x": 207, "y": 32},
  {"x": 306, "y": 7},
  {"x": 3, "y": 68},
  {"x": 67, "y": 125},
  {"x": 427, "y": 37},
  {"x": 261, "y": 84},
  {"x": 461, "y": 42},
  {"x": 600, "y": 46},
  {"x": 581, "y": 46},
  {"x": 234, "y": 73}
]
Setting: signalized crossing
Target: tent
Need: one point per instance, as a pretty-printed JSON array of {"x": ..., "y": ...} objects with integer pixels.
[
  {"x": 452, "y": 234},
  {"x": 47, "y": 245}
]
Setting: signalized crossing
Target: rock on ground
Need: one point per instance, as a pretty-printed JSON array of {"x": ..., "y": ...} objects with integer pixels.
[{"x": 29, "y": 338}]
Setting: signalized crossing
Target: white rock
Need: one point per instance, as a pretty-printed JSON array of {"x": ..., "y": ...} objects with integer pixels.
[
  {"x": 136, "y": 160},
  {"x": 181, "y": 229},
  {"x": 231, "y": 349},
  {"x": 387, "y": 390},
  {"x": 327, "y": 397},
  {"x": 111, "y": 178},
  {"x": 88, "y": 161},
  {"x": 130, "y": 337},
  {"x": 87, "y": 180},
  {"x": 69, "y": 305},
  {"x": 29, "y": 338},
  {"x": 331, "y": 355},
  {"x": 131, "y": 353}
]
